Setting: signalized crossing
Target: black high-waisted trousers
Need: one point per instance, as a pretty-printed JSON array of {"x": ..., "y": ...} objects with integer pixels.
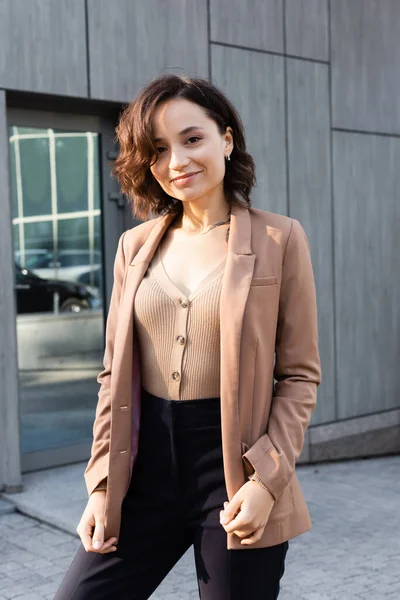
[{"x": 176, "y": 492}]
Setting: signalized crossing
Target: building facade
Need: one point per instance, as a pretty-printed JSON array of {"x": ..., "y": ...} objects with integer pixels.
[{"x": 316, "y": 84}]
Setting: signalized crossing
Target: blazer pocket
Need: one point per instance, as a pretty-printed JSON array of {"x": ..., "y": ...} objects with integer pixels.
[{"x": 270, "y": 280}]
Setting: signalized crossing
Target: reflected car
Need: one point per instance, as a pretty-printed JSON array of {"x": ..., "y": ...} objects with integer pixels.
[
  {"x": 93, "y": 278},
  {"x": 36, "y": 294},
  {"x": 66, "y": 265}
]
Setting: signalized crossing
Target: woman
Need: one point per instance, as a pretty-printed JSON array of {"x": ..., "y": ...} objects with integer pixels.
[{"x": 194, "y": 442}]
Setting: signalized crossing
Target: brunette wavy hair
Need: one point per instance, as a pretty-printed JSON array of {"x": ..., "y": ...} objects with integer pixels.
[{"x": 137, "y": 149}]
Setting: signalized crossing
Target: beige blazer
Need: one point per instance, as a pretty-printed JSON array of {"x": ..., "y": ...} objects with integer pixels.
[{"x": 268, "y": 327}]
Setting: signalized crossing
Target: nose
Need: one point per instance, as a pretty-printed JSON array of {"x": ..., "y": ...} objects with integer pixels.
[{"x": 178, "y": 159}]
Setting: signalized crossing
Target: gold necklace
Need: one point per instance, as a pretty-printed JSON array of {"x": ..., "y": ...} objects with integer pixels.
[{"x": 215, "y": 225}]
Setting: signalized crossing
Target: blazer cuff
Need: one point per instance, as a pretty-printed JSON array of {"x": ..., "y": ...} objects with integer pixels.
[
  {"x": 102, "y": 485},
  {"x": 258, "y": 459},
  {"x": 96, "y": 472}
]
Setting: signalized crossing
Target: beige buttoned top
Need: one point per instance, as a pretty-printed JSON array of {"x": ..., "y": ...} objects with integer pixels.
[{"x": 178, "y": 334}]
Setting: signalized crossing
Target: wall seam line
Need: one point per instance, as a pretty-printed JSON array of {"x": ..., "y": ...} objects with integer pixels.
[
  {"x": 209, "y": 40},
  {"x": 89, "y": 91},
  {"x": 332, "y": 191},
  {"x": 286, "y": 108}
]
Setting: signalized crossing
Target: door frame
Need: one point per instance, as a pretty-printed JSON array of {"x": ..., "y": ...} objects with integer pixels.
[{"x": 113, "y": 223}]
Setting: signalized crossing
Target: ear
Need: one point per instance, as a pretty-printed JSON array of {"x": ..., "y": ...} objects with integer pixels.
[{"x": 228, "y": 137}]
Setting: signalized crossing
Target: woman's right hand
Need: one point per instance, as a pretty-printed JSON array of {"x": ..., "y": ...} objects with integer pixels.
[{"x": 91, "y": 525}]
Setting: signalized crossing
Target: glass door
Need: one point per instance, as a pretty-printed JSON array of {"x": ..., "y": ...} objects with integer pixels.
[{"x": 56, "y": 194}]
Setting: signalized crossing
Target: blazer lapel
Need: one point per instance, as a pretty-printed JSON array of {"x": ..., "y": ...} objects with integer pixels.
[
  {"x": 135, "y": 272},
  {"x": 234, "y": 293},
  {"x": 127, "y": 386}
]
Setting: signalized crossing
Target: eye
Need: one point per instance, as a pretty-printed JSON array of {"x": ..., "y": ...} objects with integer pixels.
[
  {"x": 194, "y": 137},
  {"x": 159, "y": 149}
]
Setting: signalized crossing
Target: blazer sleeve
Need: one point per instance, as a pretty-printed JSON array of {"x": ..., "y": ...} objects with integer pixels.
[
  {"x": 297, "y": 369},
  {"x": 97, "y": 468}
]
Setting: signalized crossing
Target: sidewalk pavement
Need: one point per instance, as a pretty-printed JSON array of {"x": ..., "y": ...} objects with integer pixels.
[{"x": 351, "y": 553}]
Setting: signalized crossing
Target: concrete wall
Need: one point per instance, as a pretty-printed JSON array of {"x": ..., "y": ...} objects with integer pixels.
[{"x": 317, "y": 85}]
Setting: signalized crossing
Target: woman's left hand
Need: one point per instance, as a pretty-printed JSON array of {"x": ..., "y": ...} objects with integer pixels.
[{"x": 247, "y": 513}]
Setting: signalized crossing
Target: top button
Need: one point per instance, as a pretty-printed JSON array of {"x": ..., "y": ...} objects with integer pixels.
[{"x": 183, "y": 302}]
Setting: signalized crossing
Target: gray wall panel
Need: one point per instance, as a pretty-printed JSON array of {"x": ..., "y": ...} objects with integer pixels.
[
  {"x": 367, "y": 250},
  {"x": 254, "y": 82},
  {"x": 307, "y": 28},
  {"x": 254, "y": 23},
  {"x": 43, "y": 46},
  {"x": 131, "y": 42},
  {"x": 10, "y": 475},
  {"x": 366, "y": 64},
  {"x": 310, "y": 201}
]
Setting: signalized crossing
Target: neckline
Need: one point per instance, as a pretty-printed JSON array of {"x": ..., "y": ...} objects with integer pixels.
[{"x": 200, "y": 286}]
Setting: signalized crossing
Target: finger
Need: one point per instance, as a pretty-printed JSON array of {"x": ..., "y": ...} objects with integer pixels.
[
  {"x": 98, "y": 535},
  {"x": 224, "y": 518},
  {"x": 86, "y": 537},
  {"x": 240, "y": 522},
  {"x": 254, "y": 538},
  {"x": 230, "y": 511},
  {"x": 108, "y": 550},
  {"x": 112, "y": 540},
  {"x": 243, "y": 533},
  {"x": 105, "y": 547},
  {"x": 108, "y": 543}
]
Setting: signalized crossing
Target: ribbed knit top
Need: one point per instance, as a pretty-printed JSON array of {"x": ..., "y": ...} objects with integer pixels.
[{"x": 178, "y": 334}]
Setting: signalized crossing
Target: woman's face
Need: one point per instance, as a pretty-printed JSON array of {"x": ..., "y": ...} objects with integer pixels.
[{"x": 188, "y": 141}]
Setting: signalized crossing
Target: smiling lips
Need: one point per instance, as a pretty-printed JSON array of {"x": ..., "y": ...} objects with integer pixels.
[{"x": 184, "y": 178}]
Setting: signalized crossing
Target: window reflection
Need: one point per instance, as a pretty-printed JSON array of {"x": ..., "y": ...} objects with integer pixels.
[
  {"x": 59, "y": 281},
  {"x": 56, "y": 213},
  {"x": 37, "y": 295}
]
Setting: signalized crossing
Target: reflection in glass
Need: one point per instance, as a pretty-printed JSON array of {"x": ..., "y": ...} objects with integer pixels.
[
  {"x": 55, "y": 203},
  {"x": 55, "y": 188}
]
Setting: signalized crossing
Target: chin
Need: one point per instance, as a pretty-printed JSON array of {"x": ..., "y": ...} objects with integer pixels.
[{"x": 189, "y": 195}]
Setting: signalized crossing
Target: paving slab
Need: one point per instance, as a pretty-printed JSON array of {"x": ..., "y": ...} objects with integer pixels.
[{"x": 351, "y": 553}]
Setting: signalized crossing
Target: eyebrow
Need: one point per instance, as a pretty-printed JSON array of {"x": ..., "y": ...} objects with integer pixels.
[{"x": 186, "y": 130}]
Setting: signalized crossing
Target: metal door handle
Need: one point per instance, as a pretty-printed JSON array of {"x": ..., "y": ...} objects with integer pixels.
[{"x": 118, "y": 198}]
